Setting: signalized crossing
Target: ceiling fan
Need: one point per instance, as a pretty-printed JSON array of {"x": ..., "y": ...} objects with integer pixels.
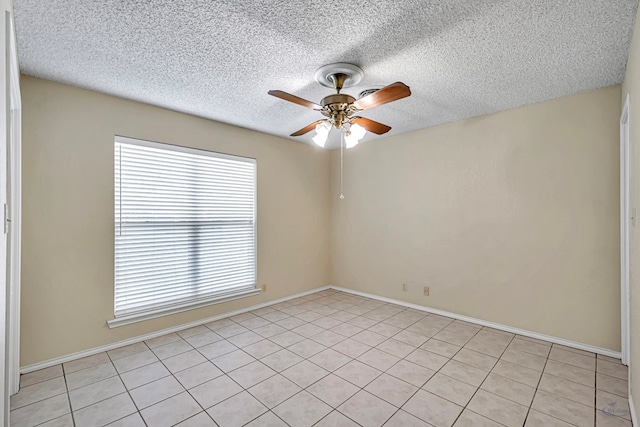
[{"x": 341, "y": 109}]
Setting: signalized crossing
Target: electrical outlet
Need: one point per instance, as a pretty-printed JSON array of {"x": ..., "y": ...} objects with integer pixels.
[
  {"x": 426, "y": 291},
  {"x": 264, "y": 287},
  {"x": 404, "y": 287}
]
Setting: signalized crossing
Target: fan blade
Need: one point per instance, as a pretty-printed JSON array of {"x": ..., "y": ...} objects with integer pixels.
[
  {"x": 393, "y": 92},
  {"x": 371, "y": 125},
  {"x": 307, "y": 128},
  {"x": 295, "y": 99}
]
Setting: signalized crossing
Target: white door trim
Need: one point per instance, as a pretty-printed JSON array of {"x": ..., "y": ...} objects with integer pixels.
[
  {"x": 625, "y": 224},
  {"x": 14, "y": 201}
]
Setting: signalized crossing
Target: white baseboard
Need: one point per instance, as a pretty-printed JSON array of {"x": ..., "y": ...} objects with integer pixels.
[
  {"x": 556, "y": 340},
  {"x": 632, "y": 409},
  {"x": 140, "y": 338},
  {"x": 96, "y": 350}
]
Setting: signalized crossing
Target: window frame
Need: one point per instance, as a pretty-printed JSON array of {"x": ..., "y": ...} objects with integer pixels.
[{"x": 189, "y": 305}]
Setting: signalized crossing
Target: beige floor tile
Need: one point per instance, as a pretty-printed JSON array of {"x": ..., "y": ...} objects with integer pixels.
[
  {"x": 525, "y": 359},
  {"x": 378, "y": 359},
  {"x": 85, "y": 362},
  {"x": 218, "y": 324},
  {"x": 330, "y": 359},
  {"x": 574, "y": 350},
  {"x": 290, "y": 323},
  {"x": 333, "y": 390},
  {"x": 127, "y": 350},
  {"x": 198, "y": 374},
  {"x": 570, "y": 372},
  {"x": 273, "y": 391},
  {"x": 391, "y": 389},
  {"x": 405, "y": 419},
  {"x": 369, "y": 338},
  {"x": 105, "y": 411},
  {"x": 237, "y": 410},
  {"x": 41, "y": 375},
  {"x": 498, "y": 409},
  {"x": 307, "y": 330},
  {"x": 485, "y": 346},
  {"x": 37, "y": 392},
  {"x": 603, "y": 420},
  {"x": 427, "y": 359},
  {"x": 251, "y": 374},
  {"x": 95, "y": 392},
  {"x": 524, "y": 344},
  {"x": 612, "y": 385},
  {"x": 571, "y": 390},
  {"x": 171, "y": 411},
  {"x": 215, "y": 391},
  {"x": 336, "y": 419},
  {"x": 384, "y": 329},
  {"x": 40, "y": 412},
  {"x": 612, "y": 404},
  {"x": 563, "y": 409},
  {"x": 281, "y": 360},
  {"x": 231, "y": 330},
  {"x": 133, "y": 361},
  {"x": 346, "y": 329},
  {"x": 232, "y": 361},
  {"x": 302, "y": 410},
  {"x": 172, "y": 349},
  {"x": 451, "y": 338},
  {"x": 306, "y": 348},
  {"x": 518, "y": 373},
  {"x": 538, "y": 419},
  {"x": 471, "y": 419},
  {"x": 269, "y": 330},
  {"x": 189, "y": 332},
  {"x": 461, "y": 329},
  {"x": 440, "y": 347},
  {"x": 432, "y": 409},
  {"x": 509, "y": 389},
  {"x": 184, "y": 361},
  {"x": 254, "y": 323},
  {"x": 396, "y": 348},
  {"x": 162, "y": 340},
  {"x": 217, "y": 349},
  {"x": 475, "y": 359},
  {"x": 411, "y": 373},
  {"x": 572, "y": 358},
  {"x": 351, "y": 348},
  {"x": 144, "y": 375},
  {"x": 268, "y": 419},
  {"x": 245, "y": 339},
  {"x": 203, "y": 339},
  {"x": 201, "y": 419},
  {"x": 613, "y": 369},
  {"x": 328, "y": 338},
  {"x": 367, "y": 409},
  {"x": 262, "y": 348},
  {"x": 156, "y": 391},
  {"x": 465, "y": 373},
  {"x": 451, "y": 389},
  {"x": 609, "y": 359},
  {"x": 411, "y": 338},
  {"x": 305, "y": 373},
  {"x": 286, "y": 338},
  {"x": 358, "y": 373},
  {"x": 90, "y": 375},
  {"x": 67, "y": 421}
]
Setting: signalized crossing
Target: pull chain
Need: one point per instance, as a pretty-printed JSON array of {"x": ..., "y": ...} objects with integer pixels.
[{"x": 341, "y": 164}]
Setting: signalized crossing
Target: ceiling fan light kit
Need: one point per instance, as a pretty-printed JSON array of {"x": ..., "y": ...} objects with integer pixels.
[{"x": 341, "y": 109}]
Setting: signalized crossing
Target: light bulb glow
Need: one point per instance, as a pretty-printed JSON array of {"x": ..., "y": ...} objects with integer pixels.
[
  {"x": 320, "y": 139},
  {"x": 350, "y": 140},
  {"x": 358, "y": 131}
]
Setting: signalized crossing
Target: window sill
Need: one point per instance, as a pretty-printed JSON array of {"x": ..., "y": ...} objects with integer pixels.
[{"x": 141, "y": 317}]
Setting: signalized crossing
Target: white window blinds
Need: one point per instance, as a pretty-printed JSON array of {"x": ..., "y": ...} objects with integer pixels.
[{"x": 184, "y": 226}]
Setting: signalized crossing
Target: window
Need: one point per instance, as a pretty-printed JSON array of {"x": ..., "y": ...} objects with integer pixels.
[{"x": 185, "y": 231}]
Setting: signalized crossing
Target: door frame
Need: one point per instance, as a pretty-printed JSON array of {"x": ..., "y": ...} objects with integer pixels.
[{"x": 626, "y": 220}]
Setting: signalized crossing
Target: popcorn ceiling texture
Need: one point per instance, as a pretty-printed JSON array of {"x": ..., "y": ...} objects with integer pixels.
[{"x": 218, "y": 58}]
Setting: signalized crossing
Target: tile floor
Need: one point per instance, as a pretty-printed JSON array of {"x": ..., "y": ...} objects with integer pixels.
[{"x": 330, "y": 359}]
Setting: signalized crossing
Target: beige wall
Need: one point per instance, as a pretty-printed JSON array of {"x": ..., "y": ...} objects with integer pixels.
[
  {"x": 67, "y": 259},
  {"x": 631, "y": 86},
  {"x": 511, "y": 217}
]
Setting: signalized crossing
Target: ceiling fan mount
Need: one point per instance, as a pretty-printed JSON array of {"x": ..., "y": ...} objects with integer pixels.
[{"x": 340, "y": 108}]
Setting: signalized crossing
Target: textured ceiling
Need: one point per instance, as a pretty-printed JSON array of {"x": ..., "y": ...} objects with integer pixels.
[{"x": 218, "y": 58}]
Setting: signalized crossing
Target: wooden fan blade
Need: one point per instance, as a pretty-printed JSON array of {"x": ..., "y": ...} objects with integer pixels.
[
  {"x": 295, "y": 99},
  {"x": 371, "y": 125},
  {"x": 393, "y": 92},
  {"x": 307, "y": 128}
]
